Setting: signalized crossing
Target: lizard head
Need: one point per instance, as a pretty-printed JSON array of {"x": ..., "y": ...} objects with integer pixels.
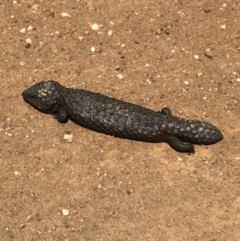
[{"x": 44, "y": 96}]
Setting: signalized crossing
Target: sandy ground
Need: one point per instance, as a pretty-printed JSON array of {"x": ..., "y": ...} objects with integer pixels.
[{"x": 180, "y": 54}]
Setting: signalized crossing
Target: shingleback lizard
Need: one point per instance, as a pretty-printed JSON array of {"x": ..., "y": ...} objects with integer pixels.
[{"x": 118, "y": 118}]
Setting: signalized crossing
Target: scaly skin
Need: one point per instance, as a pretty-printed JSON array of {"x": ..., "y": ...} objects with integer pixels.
[{"x": 118, "y": 118}]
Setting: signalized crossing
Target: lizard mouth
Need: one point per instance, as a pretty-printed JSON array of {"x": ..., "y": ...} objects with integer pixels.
[
  {"x": 33, "y": 100},
  {"x": 29, "y": 98},
  {"x": 39, "y": 102}
]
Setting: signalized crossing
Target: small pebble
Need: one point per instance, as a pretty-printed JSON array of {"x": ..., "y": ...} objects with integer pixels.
[
  {"x": 35, "y": 7},
  {"x": 93, "y": 49},
  {"x": 28, "y": 40},
  {"x": 180, "y": 159},
  {"x": 65, "y": 212},
  {"x": 223, "y": 27},
  {"x": 110, "y": 32},
  {"x": 23, "y": 30},
  {"x": 17, "y": 173},
  {"x": 65, "y": 15},
  {"x": 29, "y": 28},
  {"x": 196, "y": 56},
  {"x": 208, "y": 50},
  {"x": 238, "y": 80},
  {"x": 199, "y": 74},
  {"x": 148, "y": 81},
  {"x": 186, "y": 82},
  {"x": 208, "y": 53},
  {"x": 119, "y": 76},
  {"x": 68, "y": 137},
  {"x": 29, "y": 218},
  {"x": 80, "y": 38},
  {"x": 95, "y": 26},
  {"x": 180, "y": 112},
  {"x": 159, "y": 31}
]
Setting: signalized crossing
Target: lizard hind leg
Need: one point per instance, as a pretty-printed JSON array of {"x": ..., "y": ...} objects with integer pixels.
[{"x": 178, "y": 145}]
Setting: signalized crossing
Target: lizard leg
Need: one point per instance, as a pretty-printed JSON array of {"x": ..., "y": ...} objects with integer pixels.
[
  {"x": 61, "y": 115},
  {"x": 178, "y": 145}
]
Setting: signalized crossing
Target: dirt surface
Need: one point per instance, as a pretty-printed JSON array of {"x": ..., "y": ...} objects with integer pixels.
[{"x": 180, "y": 54}]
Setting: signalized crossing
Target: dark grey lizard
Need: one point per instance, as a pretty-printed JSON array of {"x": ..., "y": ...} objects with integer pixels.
[{"x": 118, "y": 118}]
